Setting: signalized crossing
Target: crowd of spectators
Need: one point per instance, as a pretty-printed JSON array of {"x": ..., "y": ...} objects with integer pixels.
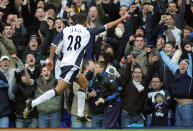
[{"x": 139, "y": 73}]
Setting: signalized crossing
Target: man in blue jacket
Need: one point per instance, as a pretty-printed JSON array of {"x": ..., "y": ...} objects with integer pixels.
[
  {"x": 182, "y": 88},
  {"x": 5, "y": 109}
]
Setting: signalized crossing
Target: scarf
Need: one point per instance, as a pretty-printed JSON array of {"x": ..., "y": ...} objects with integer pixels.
[{"x": 138, "y": 86}]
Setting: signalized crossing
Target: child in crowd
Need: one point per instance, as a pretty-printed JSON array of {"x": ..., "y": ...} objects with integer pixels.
[{"x": 160, "y": 110}]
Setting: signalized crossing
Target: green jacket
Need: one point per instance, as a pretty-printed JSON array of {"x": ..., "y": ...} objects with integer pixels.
[
  {"x": 7, "y": 48},
  {"x": 54, "y": 104},
  {"x": 143, "y": 60}
]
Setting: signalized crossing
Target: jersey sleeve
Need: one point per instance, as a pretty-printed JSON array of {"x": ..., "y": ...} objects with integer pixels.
[
  {"x": 97, "y": 30},
  {"x": 58, "y": 39}
]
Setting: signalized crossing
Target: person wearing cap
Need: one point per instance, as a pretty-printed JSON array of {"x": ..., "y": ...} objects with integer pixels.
[
  {"x": 10, "y": 73},
  {"x": 182, "y": 88}
]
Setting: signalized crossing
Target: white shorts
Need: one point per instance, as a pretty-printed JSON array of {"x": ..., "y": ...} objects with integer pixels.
[{"x": 69, "y": 73}]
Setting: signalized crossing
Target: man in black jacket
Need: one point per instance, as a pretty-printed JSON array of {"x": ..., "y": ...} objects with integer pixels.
[{"x": 109, "y": 94}]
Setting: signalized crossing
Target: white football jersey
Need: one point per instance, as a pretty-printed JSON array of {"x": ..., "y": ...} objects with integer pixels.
[{"x": 74, "y": 40}]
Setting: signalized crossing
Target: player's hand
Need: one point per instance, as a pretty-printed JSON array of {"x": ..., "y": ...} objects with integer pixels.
[{"x": 49, "y": 65}]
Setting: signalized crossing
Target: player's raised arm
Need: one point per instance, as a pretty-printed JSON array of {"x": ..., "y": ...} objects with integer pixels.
[{"x": 114, "y": 23}]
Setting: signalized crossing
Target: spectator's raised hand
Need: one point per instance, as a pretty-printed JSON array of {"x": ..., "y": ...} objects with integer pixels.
[
  {"x": 168, "y": 97},
  {"x": 179, "y": 46},
  {"x": 152, "y": 59},
  {"x": 150, "y": 8},
  {"x": 116, "y": 74},
  {"x": 50, "y": 24},
  {"x": 129, "y": 58},
  {"x": 179, "y": 3},
  {"x": 101, "y": 100},
  {"x": 25, "y": 2},
  {"x": 98, "y": 2},
  {"x": 18, "y": 1},
  {"x": 66, "y": 8},
  {"x": 26, "y": 66},
  {"x": 14, "y": 56},
  {"x": 163, "y": 19},
  {"x": 148, "y": 50},
  {"x": 4, "y": 3},
  {"x": 18, "y": 23},
  {"x": 92, "y": 94},
  {"x": 187, "y": 2},
  {"x": 188, "y": 47},
  {"x": 116, "y": 1}
]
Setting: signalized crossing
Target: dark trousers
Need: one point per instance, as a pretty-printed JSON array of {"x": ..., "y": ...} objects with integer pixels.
[{"x": 112, "y": 115}]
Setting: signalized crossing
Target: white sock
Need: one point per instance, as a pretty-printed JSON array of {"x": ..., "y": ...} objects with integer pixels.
[
  {"x": 44, "y": 97},
  {"x": 81, "y": 103}
]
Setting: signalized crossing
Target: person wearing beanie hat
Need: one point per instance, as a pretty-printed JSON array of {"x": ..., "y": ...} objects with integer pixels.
[
  {"x": 161, "y": 36},
  {"x": 182, "y": 88},
  {"x": 34, "y": 49}
]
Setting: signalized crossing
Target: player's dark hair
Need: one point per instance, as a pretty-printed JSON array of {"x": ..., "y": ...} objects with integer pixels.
[{"x": 81, "y": 18}]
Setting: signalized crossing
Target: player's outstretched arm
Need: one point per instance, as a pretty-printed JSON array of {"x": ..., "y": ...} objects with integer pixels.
[
  {"x": 50, "y": 61},
  {"x": 114, "y": 23}
]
